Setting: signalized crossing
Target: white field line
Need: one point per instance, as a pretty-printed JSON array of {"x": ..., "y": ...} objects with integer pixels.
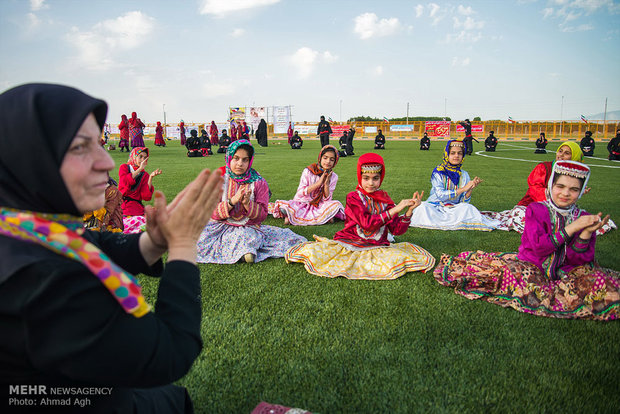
[{"x": 485, "y": 154}]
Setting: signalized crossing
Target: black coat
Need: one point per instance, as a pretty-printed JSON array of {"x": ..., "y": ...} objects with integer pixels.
[{"x": 261, "y": 133}]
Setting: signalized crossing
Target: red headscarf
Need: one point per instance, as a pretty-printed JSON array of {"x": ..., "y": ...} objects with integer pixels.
[
  {"x": 133, "y": 156},
  {"x": 378, "y": 195}
]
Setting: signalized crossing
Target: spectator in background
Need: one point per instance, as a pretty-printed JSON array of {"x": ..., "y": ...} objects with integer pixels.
[
  {"x": 289, "y": 132},
  {"x": 224, "y": 142},
  {"x": 296, "y": 141},
  {"x": 614, "y": 147},
  {"x": 182, "y": 132},
  {"x": 159, "y": 135},
  {"x": 261, "y": 133},
  {"x": 350, "y": 136},
  {"x": 123, "y": 128},
  {"x": 490, "y": 143},
  {"x": 323, "y": 131},
  {"x": 380, "y": 140},
  {"x": 425, "y": 143},
  {"x": 342, "y": 142},
  {"x": 135, "y": 131},
  {"x": 214, "y": 134},
  {"x": 541, "y": 144},
  {"x": 587, "y": 144},
  {"x": 193, "y": 144}
]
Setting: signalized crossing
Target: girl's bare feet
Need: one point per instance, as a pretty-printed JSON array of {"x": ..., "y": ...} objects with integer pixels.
[{"x": 286, "y": 221}]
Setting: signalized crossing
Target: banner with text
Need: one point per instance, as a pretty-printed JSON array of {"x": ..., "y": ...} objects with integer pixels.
[
  {"x": 237, "y": 113},
  {"x": 338, "y": 130},
  {"x": 437, "y": 128},
  {"x": 256, "y": 114},
  {"x": 281, "y": 118},
  {"x": 401, "y": 128},
  {"x": 370, "y": 130},
  {"x": 474, "y": 128}
]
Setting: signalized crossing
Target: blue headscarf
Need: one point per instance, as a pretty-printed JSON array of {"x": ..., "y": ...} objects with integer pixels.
[
  {"x": 453, "y": 172},
  {"x": 250, "y": 175}
]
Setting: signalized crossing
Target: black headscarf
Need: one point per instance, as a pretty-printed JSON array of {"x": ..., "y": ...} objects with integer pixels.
[{"x": 44, "y": 118}]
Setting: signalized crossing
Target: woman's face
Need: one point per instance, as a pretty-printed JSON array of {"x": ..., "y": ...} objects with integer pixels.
[
  {"x": 564, "y": 153},
  {"x": 240, "y": 162},
  {"x": 565, "y": 191},
  {"x": 371, "y": 182},
  {"x": 85, "y": 167},
  {"x": 327, "y": 160},
  {"x": 455, "y": 156}
]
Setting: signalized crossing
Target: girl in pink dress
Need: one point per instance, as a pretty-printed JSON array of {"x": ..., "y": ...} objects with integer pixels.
[{"x": 313, "y": 204}]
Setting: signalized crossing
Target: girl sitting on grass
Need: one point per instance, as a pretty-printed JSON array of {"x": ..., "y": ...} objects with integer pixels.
[
  {"x": 136, "y": 185},
  {"x": 313, "y": 204},
  {"x": 448, "y": 207},
  {"x": 537, "y": 181},
  {"x": 554, "y": 274},
  {"x": 235, "y": 232},
  {"x": 361, "y": 250}
]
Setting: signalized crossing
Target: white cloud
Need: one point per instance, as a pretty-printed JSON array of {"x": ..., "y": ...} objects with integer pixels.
[
  {"x": 468, "y": 24},
  {"x": 463, "y": 37},
  {"x": 305, "y": 59},
  {"x": 419, "y": 9},
  {"x": 96, "y": 48},
  {"x": 465, "y": 11},
  {"x": 238, "y": 32},
  {"x": 378, "y": 70},
  {"x": 214, "y": 90},
  {"x": 547, "y": 12},
  {"x": 222, "y": 8},
  {"x": 33, "y": 20},
  {"x": 328, "y": 57},
  {"x": 460, "y": 62},
  {"x": 434, "y": 9},
  {"x": 368, "y": 25},
  {"x": 580, "y": 28},
  {"x": 36, "y": 5}
]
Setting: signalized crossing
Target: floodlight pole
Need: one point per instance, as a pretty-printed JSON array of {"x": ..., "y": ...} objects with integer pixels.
[{"x": 164, "y": 110}]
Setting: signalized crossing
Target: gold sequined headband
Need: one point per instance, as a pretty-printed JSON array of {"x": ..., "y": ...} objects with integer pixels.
[{"x": 371, "y": 168}]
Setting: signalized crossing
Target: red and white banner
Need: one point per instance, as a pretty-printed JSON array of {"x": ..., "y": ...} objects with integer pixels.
[
  {"x": 338, "y": 130},
  {"x": 474, "y": 128},
  {"x": 437, "y": 128}
]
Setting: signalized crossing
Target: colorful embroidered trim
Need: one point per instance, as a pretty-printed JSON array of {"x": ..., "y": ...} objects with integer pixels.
[{"x": 61, "y": 233}]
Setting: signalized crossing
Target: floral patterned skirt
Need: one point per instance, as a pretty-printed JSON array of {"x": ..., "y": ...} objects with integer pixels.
[
  {"x": 587, "y": 292},
  {"x": 515, "y": 220},
  {"x": 305, "y": 214},
  {"x": 331, "y": 258},
  {"x": 226, "y": 244}
]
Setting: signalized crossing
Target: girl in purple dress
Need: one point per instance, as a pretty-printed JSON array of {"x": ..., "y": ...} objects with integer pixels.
[
  {"x": 554, "y": 273},
  {"x": 235, "y": 232},
  {"x": 313, "y": 204}
]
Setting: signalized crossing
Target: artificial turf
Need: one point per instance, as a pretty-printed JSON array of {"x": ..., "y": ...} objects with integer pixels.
[{"x": 273, "y": 332}]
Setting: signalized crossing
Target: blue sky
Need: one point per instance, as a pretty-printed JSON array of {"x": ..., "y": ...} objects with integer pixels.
[{"x": 492, "y": 59}]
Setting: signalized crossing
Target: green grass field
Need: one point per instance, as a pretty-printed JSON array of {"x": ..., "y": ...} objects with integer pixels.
[{"x": 273, "y": 332}]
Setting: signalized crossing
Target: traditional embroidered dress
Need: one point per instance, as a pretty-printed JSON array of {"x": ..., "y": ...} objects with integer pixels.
[
  {"x": 214, "y": 133},
  {"x": 361, "y": 250},
  {"x": 514, "y": 219},
  {"x": 289, "y": 132},
  {"x": 444, "y": 209},
  {"x": 553, "y": 274},
  {"x": 134, "y": 190},
  {"x": 311, "y": 209},
  {"x": 135, "y": 131},
  {"x": 182, "y": 132},
  {"x": 110, "y": 216},
  {"x": 159, "y": 135},
  {"x": 233, "y": 233},
  {"x": 123, "y": 129}
]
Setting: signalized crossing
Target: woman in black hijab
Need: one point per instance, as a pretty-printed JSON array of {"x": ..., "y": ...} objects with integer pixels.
[
  {"x": 71, "y": 313},
  {"x": 261, "y": 133}
]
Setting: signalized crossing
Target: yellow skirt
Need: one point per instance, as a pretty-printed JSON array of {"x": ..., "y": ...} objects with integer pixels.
[{"x": 329, "y": 258}]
